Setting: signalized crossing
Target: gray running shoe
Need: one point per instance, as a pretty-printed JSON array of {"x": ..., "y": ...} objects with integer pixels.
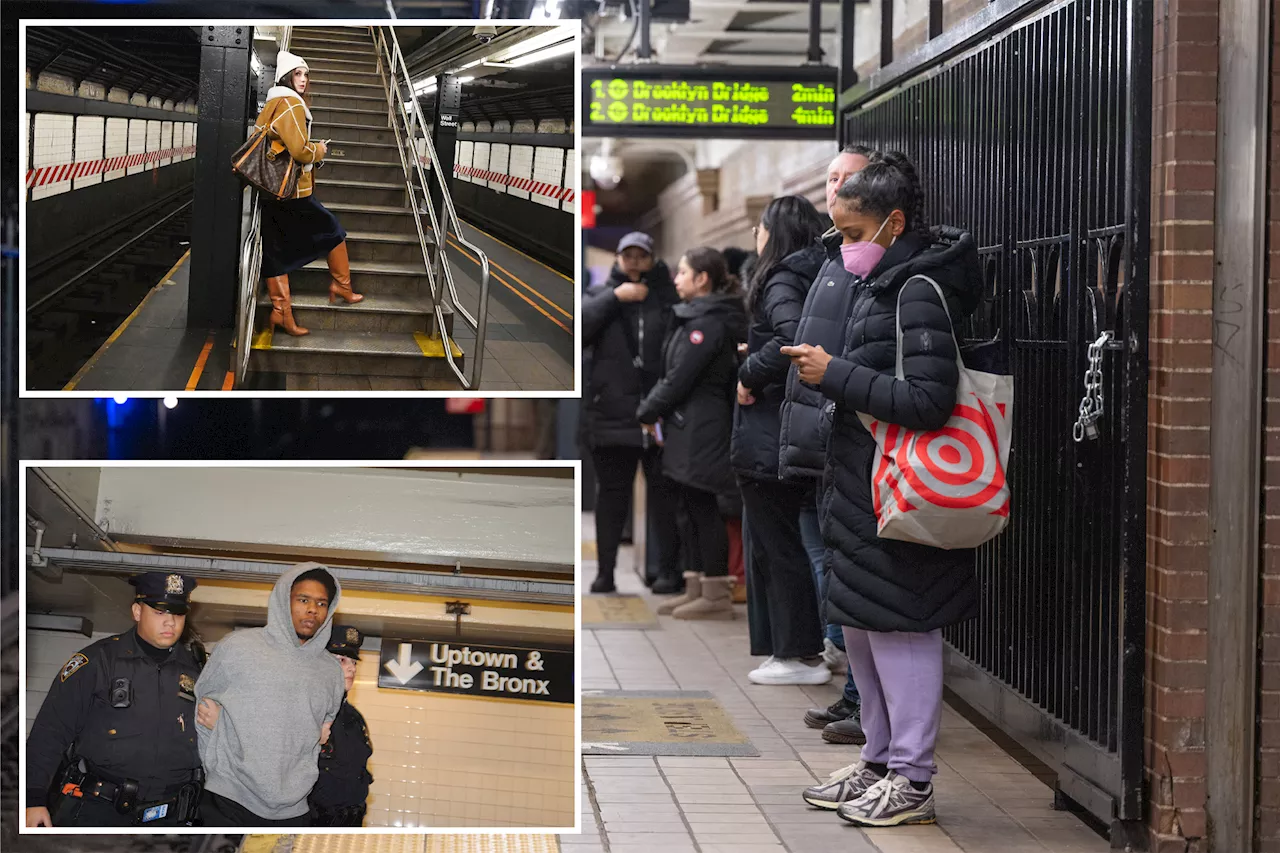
[
  {"x": 891, "y": 801},
  {"x": 842, "y": 786}
]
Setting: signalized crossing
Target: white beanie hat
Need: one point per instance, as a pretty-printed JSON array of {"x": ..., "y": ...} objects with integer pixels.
[{"x": 287, "y": 62}]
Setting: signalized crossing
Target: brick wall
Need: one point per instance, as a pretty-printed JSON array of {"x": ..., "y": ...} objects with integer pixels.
[{"x": 1183, "y": 126}]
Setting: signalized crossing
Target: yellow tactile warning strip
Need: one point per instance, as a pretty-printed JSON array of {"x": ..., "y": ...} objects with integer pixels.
[
  {"x": 400, "y": 844},
  {"x": 262, "y": 340},
  {"x": 616, "y": 611},
  {"x": 661, "y": 722},
  {"x": 433, "y": 347},
  {"x": 589, "y": 551}
]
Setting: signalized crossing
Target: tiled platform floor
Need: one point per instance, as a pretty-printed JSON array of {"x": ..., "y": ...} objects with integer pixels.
[{"x": 987, "y": 802}]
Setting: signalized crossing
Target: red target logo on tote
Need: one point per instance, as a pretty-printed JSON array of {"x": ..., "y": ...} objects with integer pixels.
[{"x": 947, "y": 487}]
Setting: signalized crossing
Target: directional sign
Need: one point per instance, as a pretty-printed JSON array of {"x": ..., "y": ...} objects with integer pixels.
[
  {"x": 700, "y": 102},
  {"x": 449, "y": 666}
]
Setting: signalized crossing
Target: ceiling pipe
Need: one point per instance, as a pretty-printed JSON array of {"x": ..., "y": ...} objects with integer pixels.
[
  {"x": 644, "y": 53},
  {"x": 814, "y": 56}
]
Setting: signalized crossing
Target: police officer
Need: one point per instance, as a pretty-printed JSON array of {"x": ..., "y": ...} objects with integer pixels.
[
  {"x": 114, "y": 743},
  {"x": 338, "y": 799}
]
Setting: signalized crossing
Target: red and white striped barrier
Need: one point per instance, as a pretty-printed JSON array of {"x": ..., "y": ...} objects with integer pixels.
[
  {"x": 67, "y": 171},
  {"x": 528, "y": 185}
]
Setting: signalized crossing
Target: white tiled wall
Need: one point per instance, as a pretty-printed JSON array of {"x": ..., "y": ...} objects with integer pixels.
[
  {"x": 153, "y": 139},
  {"x": 47, "y": 652},
  {"x": 452, "y": 761},
  {"x": 166, "y": 141},
  {"x": 499, "y": 154},
  {"x": 548, "y": 167},
  {"x": 51, "y": 146},
  {"x": 570, "y": 179},
  {"x": 89, "y": 133},
  {"x": 137, "y": 141},
  {"x": 117, "y": 144},
  {"x": 520, "y": 166}
]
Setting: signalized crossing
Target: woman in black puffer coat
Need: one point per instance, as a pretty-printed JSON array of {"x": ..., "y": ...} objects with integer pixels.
[
  {"x": 691, "y": 412},
  {"x": 891, "y": 597},
  {"x": 782, "y": 603}
]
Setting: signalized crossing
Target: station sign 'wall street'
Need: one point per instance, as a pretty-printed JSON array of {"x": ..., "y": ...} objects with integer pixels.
[
  {"x": 539, "y": 675},
  {"x": 700, "y": 102}
]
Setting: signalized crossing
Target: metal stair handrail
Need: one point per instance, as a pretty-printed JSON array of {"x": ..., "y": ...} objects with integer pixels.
[
  {"x": 392, "y": 69},
  {"x": 251, "y": 269}
]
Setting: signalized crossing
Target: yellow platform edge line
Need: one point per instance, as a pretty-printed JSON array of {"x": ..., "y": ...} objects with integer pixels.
[
  {"x": 262, "y": 340},
  {"x": 433, "y": 347}
]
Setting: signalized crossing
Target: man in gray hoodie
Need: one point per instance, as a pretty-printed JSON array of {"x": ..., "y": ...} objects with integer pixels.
[{"x": 276, "y": 689}]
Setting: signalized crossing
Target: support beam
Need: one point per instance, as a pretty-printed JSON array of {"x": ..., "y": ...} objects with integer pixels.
[
  {"x": 1236, "y": 425},
  {"x": 886, "y": 33},
  {"x": 223, "y": 127}
]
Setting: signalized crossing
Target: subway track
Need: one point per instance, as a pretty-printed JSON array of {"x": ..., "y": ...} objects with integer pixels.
[{"x": 75, "y": 300}]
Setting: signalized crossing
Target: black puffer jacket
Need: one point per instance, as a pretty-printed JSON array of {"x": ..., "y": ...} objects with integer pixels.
[
  {"x": 774, "y": 318},
  {"x": 805, "y": 414},
  {"x": 882, "y": 584},
  {"x": 695, "y": 396},
  {"x": 616, "y": 333}
]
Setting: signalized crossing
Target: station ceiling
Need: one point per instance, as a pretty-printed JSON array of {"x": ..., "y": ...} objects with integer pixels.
[{"x": 159, "y": 62}]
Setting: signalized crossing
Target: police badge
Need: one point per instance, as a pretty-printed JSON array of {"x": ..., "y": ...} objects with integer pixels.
[
  {"x": 173, "y": 585},
  {"x": 187, "y": 687},
  {"x": 77, "y": 660}
]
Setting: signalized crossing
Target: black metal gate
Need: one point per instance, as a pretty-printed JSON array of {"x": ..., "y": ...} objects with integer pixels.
[{"x": 1031, "y": 128}]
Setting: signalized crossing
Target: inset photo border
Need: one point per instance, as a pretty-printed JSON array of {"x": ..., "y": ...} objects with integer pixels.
[
  {"x": 169, "y": 615},
  {"x": 158, "y": 259}
]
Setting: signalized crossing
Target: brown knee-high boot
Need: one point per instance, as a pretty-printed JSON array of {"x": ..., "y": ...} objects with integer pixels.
[
  {"x": 282, "y": 306},
  {"x": 340, "y": 273}
]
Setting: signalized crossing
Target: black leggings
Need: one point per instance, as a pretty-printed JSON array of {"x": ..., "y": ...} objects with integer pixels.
[
  {"x": 703, "y": 532},
  {"x": 615, "y": 478}
]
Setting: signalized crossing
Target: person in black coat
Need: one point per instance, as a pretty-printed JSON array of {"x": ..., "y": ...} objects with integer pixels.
[
  {"x": 342, "y": 788},
  {"x": 624, "y": 324},
  {"x": 782, "y": 602},
  {"x": 694, "y": 404},
  {"x": 892, "y": 597}
]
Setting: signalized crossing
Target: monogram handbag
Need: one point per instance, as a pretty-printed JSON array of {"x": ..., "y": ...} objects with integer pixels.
[
  {"x": 265, "y": 163},
  {"x": 946, "y": 488}
]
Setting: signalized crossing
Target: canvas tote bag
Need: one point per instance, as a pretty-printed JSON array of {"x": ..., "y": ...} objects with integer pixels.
[{"x": 946, "y": 488}]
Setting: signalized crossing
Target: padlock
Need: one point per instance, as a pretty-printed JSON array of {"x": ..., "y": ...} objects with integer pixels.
[{"x": 1091, "y": 430}]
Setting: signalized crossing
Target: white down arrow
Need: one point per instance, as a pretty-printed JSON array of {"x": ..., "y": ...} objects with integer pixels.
[{"x": 406, "y": 668}]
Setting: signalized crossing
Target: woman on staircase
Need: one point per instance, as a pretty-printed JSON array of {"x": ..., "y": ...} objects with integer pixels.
[{"x": 298, "y": 230}]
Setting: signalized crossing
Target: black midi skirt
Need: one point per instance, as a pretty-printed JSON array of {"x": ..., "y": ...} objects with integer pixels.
[{"x": 295, "y": 233}]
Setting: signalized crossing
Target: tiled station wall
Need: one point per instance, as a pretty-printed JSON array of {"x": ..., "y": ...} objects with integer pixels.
[
  {"x": 556, "y": 167},
  {"x": 57, "y": 139}
]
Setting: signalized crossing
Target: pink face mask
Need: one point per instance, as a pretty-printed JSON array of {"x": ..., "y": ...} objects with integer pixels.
[{"x": 861, "y": 258}]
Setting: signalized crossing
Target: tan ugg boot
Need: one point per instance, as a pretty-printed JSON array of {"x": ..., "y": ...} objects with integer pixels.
[
  {"x": 692, "y": 592},
  {"x": 716, "y": 601}
]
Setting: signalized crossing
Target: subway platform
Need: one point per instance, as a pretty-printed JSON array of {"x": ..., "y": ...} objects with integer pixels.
[{"x": 987, "y": 801}]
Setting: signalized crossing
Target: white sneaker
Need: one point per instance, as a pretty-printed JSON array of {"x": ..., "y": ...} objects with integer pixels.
[
  {"x": 768, "y": 664},
  {"x": 790, "y": 671},
  {"x": 836, "y": 660}
]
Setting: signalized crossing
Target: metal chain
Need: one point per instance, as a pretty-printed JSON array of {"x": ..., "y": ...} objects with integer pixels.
[{"x": 1091, "y": 403}]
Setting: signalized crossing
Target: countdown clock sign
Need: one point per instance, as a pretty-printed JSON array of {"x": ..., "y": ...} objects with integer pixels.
[{"x": 683, "y": 102}]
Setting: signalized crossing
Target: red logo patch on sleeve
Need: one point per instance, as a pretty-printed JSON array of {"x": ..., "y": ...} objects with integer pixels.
[{"x": 695, "y": 337}]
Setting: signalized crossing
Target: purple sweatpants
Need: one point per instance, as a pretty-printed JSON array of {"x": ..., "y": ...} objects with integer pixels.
[{"x": 899, "y": 676}]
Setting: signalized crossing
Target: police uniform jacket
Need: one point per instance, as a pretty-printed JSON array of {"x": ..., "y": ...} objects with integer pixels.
[
  {"x": 153, "y": 741},
  {"x": 344, "y": 773}
]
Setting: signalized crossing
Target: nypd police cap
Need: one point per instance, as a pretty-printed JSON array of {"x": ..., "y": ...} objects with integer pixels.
[
  {"x": 345, "y": 640},
  {"x": 165, "y": 591}
]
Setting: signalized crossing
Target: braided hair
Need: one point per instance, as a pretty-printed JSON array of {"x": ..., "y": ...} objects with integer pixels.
[{"x": 888, "y": 183}]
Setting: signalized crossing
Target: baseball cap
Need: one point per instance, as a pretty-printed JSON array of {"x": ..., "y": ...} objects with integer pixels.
[{"x": 636, "y": 240}]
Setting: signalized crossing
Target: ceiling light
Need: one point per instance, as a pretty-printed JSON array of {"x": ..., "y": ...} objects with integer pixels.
[
  {"x": 471, "y": 64},
  {"x": 546, "y": 53},
  {"x": 547, "y": 36},
  {"x": 466, "y": 79},
  {"x": 170, "y": 402},
  {"x": 424, "y": 86}
]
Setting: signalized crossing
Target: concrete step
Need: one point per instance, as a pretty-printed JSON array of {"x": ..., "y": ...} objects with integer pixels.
[
  {"x": 357, "y": 90},
  {"x": 379, "y": 152},
  {"x": 326, "y": 100},
  {"x": 323, "y": 66},
  {"x": 324, "y": 52},
  {"x": 383, "y": 220},
  {"x": 352, "y": 169},
  {"x": 356, "y": 354},
  {"x": 352, "y": 132},
  {"x": 350, "y": 115},
  {"x": 320, "y": 79},
  {"x": 375, "y": 313},
  {"x": 384, "y": 247},
  {"x": 367, "y": 277},
  {"x": 360, "y": 192},
  {"x": 331, "y": 33},
  {"x": 355, "y": 40}
]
